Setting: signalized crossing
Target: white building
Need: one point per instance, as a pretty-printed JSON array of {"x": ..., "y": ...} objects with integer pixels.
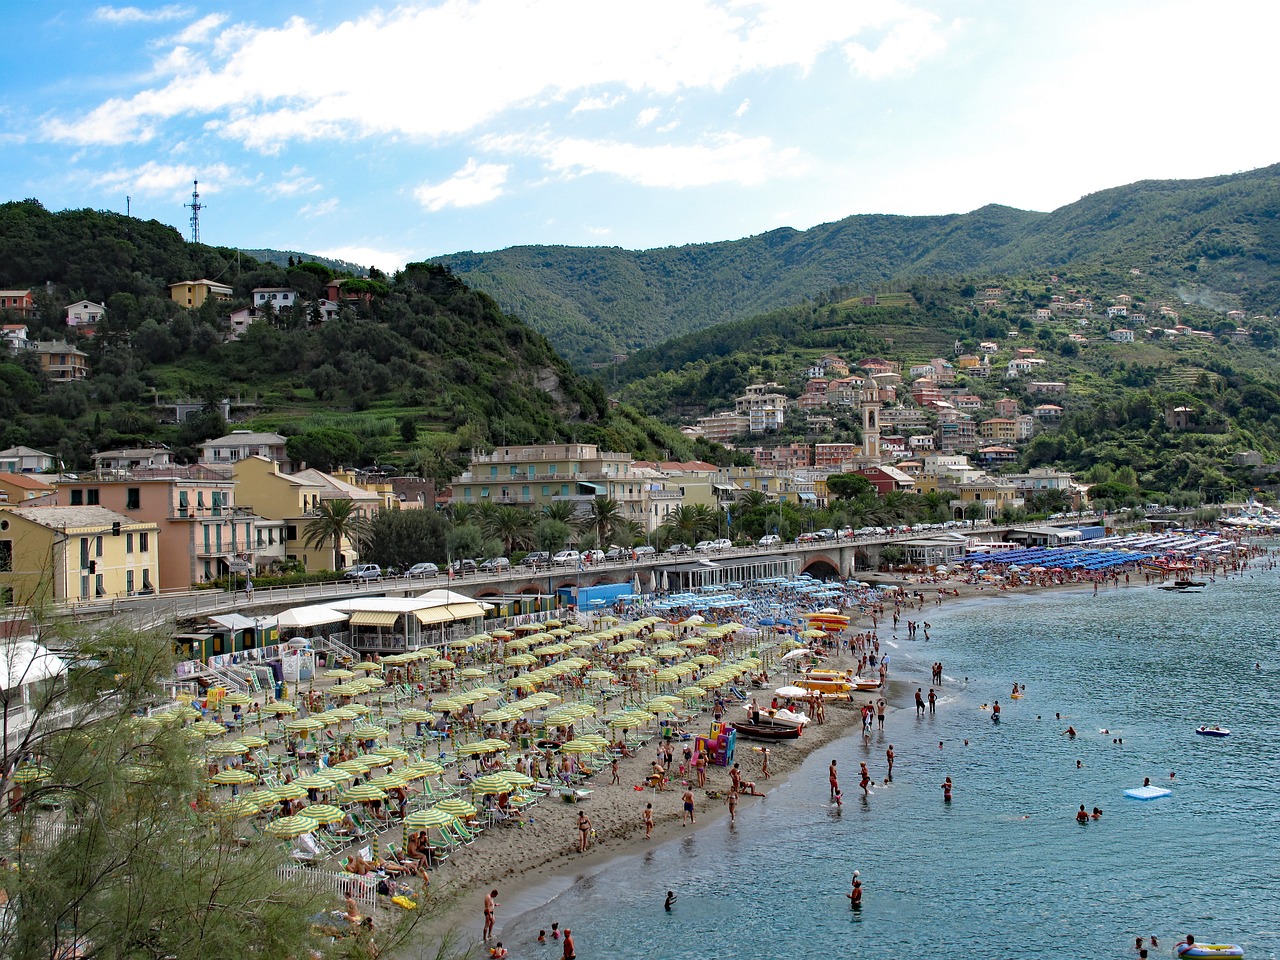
[
  {"x": 85, "y": 315},
  {"x": 273, "y": 298}
]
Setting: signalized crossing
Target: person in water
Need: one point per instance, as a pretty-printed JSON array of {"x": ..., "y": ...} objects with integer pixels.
[
  {"x": 946, "y": 790},
  {"x": 855, "y": 895},
  {"x": 670, "y": 902},
  {"x": 1082, "y": 816}
]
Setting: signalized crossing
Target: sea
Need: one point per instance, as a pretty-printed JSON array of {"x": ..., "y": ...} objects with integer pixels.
[{"x": 1004, "y": 870}]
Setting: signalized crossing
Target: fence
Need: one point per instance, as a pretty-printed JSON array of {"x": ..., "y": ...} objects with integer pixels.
[{"x": 360, "y": 889}]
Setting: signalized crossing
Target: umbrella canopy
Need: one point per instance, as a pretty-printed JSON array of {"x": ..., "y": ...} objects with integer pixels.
[
  {"x": 315, "y": 781},
  {"x": 31, "y": 774},
  {"x": 790, "y": 691},
  {"x": 207, "y": 728},
  {"x": 368, "y": 666},
  {"x": 252, "y": 741},
  {"x": 228, "y": 777},
  {"x": 280, "y": 707},
  {"x": 414, "y": 715},
  {"x": 339, "y": 674},
  {"x": 691, "y": 693},
  {"x": 627, "y": 722},
  {"x": 425, "y": 768},
  {"x": 232, "y": 749},
  {"x": 237, "y": 700},
  {"x": 289, "y": 791},
  {"x": 304, "y": 725},
  {"x": 431, "y": 817},
  {"x": 456, "y": 806},
  {"x": 491, "y": 783},
  {"x": 388, "y": 781},
  {"x": 323, "y": 813},
  {"x": 263, "y": 797},
  {"x": 361, "y": 793},
  {"x": 237, "y": 809},
  {"x": 370, "y": 731},
  {"x": 290, "y": 827},
  {"x": 337, "y": 775}
]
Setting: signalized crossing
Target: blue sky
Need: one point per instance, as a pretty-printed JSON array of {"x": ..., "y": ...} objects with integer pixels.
[{"x": 383, "y": 134}]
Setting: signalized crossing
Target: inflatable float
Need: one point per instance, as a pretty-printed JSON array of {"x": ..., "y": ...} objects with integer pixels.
[
  {"x": 1209, "y": 950},
  {"x": 1214, "y": 731},
  {"x": 1149, "y": 793}
]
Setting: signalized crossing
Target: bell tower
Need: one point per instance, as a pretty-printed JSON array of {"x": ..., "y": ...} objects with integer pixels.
[{"x": 871, "y": 433}]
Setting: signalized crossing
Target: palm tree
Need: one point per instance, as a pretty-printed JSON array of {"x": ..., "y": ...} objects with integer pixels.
[
  {"x": 629, "y": 533},
  {"x": 562, "y": 510},
  {"x": 511, "y": 525},
  {"x": 335, "y": 521},
  {"x": 603, "y": 518},
  {"x": 685, "y": 524},
  {"x": 752, "y": 500}
]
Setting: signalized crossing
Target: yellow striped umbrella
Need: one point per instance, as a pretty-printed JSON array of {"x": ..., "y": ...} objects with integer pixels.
[
  {"x": 31, "y": 774},
  {"x": 691, "y": 693},
  {"x": 414, "y": 715},
  {"x": 339, "y": 674},
  {"x": 237, "y": 700},
  {"x": 229, "y": 777},
  {"x": 322, "y": 813},
  {"x": 361, "y": 764},
  {"x": 289, "y": 791},
  {"x": 368, "y": 666},
  {"x": 252, "y": 741},
  {"x": 456, "y": 806},
  {"x": 441, "y": 664},
  {"x": 430, "y": 817},
  {"x": 428, "y": 768},
  {"x": 391, "y": 752},
  {"x": 361, "y": 793},
  {"x": 290, "y": 827},
  {"x": 339, "y": 776},
  {"x": 282, "y": 707},
  {"x": 304, "y": 725},
  {"x": 231, "y": 749},
  {"x": 237, "y": 809},
  {"x": 263, "y": 797},
  {"x": 315, "y": 781},
  {"x": 207, "y": 728},
  {"x": 370, "y": 732},
  {"x": 490, "y": 783}
]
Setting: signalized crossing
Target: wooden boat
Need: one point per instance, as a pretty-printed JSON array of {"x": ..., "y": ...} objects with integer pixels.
[
  {"x": 780, "y": 716},
  {"x": 767, "y": 729}
]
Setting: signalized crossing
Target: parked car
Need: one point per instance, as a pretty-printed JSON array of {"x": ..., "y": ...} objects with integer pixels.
[
  {"x": 724, "y": 543},
  {"x": 363, "y": 571},
  {"x": 826, "y": 533},
  {"x": 593, "y": 556},
  {"x": 461, "y": 567},
  {"x": 769, "y": 540},
  {"x": 566, "y": 557},
  {"x": 423, "y": 570},
  {"x": 645, "y": 551},
  {"x": 496, "y": 565},
  {"x": 678, "y": 548},
  {"x": 807, "y": 538},
  {"x": 535, "y": 557},
  {"x": 618, "y": 553},
  {"x": 704, "y": 546}
]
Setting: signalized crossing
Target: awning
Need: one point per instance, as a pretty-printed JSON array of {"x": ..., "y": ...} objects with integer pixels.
[
  {"x": 449, "y": 612},
  {"x": 236, "y": 621},
  {"x": 309, "y": 617},
  {"x": 374, "y": 618},
  {"x": 808, "y": 496},
  {"x": 598, "y": 488},
  {"x": 23, "y": 662}
]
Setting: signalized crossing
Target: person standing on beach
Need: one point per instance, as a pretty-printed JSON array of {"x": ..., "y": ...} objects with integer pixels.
[
  {"x": 613, "y": 766},
  {"x": 833, "y": 779},
  {"x": 889, "y": 756},
  {"x": 764, "y": 768},
  {"x": 700, "y": 764},
  {"x": 647, "y": 819},
  {"x": 880, "y": 708},
  {"x": 933, "y": 701},
  {"x": 919, "y": 702},
  {"x": 584, "y": 831},
  {"x": 688, "y": 807},
  {"x": 732, "y": 800},
  {"x": 490, "y": 904}
]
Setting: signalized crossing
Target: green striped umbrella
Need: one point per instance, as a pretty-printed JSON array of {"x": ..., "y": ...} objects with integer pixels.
[
  {"x": 263, "y": 798},
  {"x": 304, "y": 725},
  {"x": 388, "y": 781},
  {"x": 237, "y": 700},
  {"x": 252, "y": 741},
  {"x": 423, "y": 768},
  {"x": 207, "y": 728},
  {"x": 356, "y": 764},
  {"x": 229, "y": 777},
  {"x": 456, "y": 806},
  {"x": 31, "y": 774},
  {"x": 414, "y": 715},
  {"x": 491, "y": 783},
  {"x": 231, "y": 749},
  {"x": 338, "y": 775},
  {"x": 423, "y": 820},
  {"x": 290, "y": 827},
  {"x": 395, "y": 753},
  {"x": 236, "y": 809},
  {"x": 315, "y": 781},
  {"x": 361, "y": 793},
  {"x": 323, "y": 813},
  {"x": 280, "y": 706},
  {"x": 289, "y": 791},
  {"x": 370, "y": 731}
]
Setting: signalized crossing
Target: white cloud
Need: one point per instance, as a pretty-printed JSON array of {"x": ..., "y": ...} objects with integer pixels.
[
  {"x": 647, "y": 116},
  {"x": 385, "y": 259},
  {"x": 321, "y": 209},
  {"x": 270, "y": 86},
  {"x": 743, "y": 107},
  {"x": 168, "y": 180},
  {"x": 604, "y": 102},
  {"x": 474, "y": 184},
  {"x": 727, "y": 158},
  {"x": 200, "y": 31},
  {"x": 907, "y": 43},
  {"x": 136, "y": 15},
  {"x": 294, "y": 183}
]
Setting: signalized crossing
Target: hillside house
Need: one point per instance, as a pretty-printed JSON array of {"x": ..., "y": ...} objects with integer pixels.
[
  {"x": 15, "y": 337},
  {"x": 240, "y": 445},
  {"x": 1046, "y": 388},
  {"x": 85, "y": 315},
  {"x": 1122, "y": 335},
  {"x": 1024, "y": 427},
  {"x": 193, "y": 293},
  {"x": 1117, "y": 310},
  {"x": 1006, "y": 407},
  {"x": 61, "y": 362},
  {"x": 26, "y": 460},
  {"x": 1047, "y": 412},
  {"x": 274, "y": 299},
  {"x": 19, "y": 303}
]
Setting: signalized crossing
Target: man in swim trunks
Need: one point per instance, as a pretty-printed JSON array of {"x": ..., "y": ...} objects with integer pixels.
[
  {"x": 919, "y": 702},
  {"x": 889, "y": 755},
  {"x": 490, "y": 902},
  {"x": 946, "y": 790},
  {"x": 688, "y": 807},
  {"x": 831, "y": 778},
  {"x": 1082, "y": 815},
  {"x": 647, "y": 819}
]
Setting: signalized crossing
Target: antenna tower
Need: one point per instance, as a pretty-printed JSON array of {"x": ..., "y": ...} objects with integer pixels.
[{"x": 196, "y": 206}]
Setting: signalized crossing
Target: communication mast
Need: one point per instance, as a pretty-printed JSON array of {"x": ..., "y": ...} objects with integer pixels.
[{"x": 196, "y": 206}]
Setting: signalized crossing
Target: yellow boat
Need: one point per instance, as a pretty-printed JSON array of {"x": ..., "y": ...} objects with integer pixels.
[{"x": 831, "y": 683}]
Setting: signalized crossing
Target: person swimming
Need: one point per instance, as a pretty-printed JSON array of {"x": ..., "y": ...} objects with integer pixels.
[{"x": 670, "y": 901}]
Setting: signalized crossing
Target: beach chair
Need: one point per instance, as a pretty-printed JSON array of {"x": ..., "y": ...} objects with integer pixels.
[{"x": 307, "y": 849}]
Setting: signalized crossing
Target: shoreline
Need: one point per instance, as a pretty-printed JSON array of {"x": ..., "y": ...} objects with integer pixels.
[{"x": 532, "y": 865}]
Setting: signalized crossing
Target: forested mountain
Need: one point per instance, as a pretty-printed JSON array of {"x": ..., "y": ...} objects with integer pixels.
[
  {"x": 411, "y": 375},
  {"x": 287, "y": 258},
  {"x": 1217, "y": 238}
]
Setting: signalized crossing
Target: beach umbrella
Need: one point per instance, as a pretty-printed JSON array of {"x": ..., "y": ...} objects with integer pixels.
[
  {"x": 606, "y": 675},
  {"x": 282, "y": 706},
  {"x": 237, "y": 809},
  {"x": 501, "y": 634},
  {"x": 252, "y": 741},
  {"x": 520, "y": 660},
  {"x": 388, "y": 781},
  {"x": 315, "y": 781},
  {"x": 666, "y": 676},
  {"x": 422, "y": 768},
  {"x": 430, "y": 817},
  {"x": 356, "y": 709},
  {"x": 229, "y": 777},
  {"x": 448, "y": 705},
  {"x": 304, "y": 725},
  {"x": 339, "y": 674},
  {"x": 361, "y": 764},
  {"x": 361, "y": 793},
  {"x": 456, "y": 806},
  {"x": 391, "y": 752},
  {"x": 471, "y": 673},
  {"x": 290, "y": 827},
  {"x": 323, "y": 813},
  {"x": 442, "y": 664},
  {"x": 791, "y": 691},
  {"x": 691, "y": 693},
  {"x": 344, "y": 713},
  {"x": 490, "y": 783},
  {"x": 207, "y": 728},
  {"x": 237, "y": 700},
  {"x": 289, "y": 791},
  {"x": 370, "y": 731},
  {"x": 414, "y": 715},
  {"x": 337, "y": 775},
  {"x": 626, "y": 722},
  {"x": 263, "y": 797},
  {"x": 368, "y": 666},
  {"x": 31, "y": 774},
  {"x": 232, "y": 749}
]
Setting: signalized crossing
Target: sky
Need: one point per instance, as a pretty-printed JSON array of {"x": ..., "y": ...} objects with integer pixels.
[{"x": 388, "y": 134}]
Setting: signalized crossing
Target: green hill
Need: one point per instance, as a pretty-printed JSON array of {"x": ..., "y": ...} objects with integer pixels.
[
  {"x": 1217, "y": 239},
  {"x": 412, "y": 376}
]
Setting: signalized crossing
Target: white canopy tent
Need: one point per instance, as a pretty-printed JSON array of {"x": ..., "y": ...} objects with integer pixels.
[{"x": 313, "y": 616}]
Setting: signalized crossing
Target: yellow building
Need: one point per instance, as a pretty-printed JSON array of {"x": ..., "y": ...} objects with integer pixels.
[
  {"x": 294, "y": 498},
  {"x": 193, "y": 293},
  {"x": 75, "y": 553},
  {"x": 17, "y": 487}
]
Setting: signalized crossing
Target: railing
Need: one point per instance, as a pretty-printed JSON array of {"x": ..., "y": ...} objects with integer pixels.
[{"x": 359, "y": 889}]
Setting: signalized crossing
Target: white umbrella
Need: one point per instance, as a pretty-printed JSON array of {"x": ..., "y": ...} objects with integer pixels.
[
  {"x": 791, "y": 691},
  {"x": 798, "y": 652}
]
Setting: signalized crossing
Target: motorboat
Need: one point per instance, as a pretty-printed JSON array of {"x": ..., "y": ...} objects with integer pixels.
[
  {"x": 866, "y": 684},
  {"x": 781, "y": 715},
  {"x": 767, "y": 729},
  {"x": 829, "y": 683},
  {"x": 1214, "y": 731}
]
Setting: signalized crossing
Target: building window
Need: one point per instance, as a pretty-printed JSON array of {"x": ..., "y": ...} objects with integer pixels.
[
  {"x": 144, "y": 542},
  {"x": 146, "y": 580},
  {"x": 91, "y": 497},
  {"x": 98, "y": 590},
  {"x": 84, "y": 586},
  {"x": 128, "y": 581},
  {"x": 183, "y": 503},
  {"x": 97, "y": 547},
  {"x": 291, "y": 532},
  {"x": 133, "y": 498},
  {"x": 128, "y": 543},
  {"x": 77, "y": 498},
  {"x": 6, "y": 556},
  {"x": 84, "y": 553}
]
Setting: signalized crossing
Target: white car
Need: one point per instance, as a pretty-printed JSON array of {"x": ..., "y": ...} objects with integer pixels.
[
  {"x": 724, "y": 543},
  {"x": 593, "y": 556},
  {"x": 566, "y": 556},
  {"x": 769, "y": 540},
  {"x": 705, "y": 546}
]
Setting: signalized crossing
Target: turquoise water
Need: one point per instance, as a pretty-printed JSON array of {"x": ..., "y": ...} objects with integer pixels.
[{"x": 1004, "y": 870}]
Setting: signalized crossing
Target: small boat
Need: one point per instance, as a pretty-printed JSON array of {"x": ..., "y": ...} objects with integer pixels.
[
  {"x": 1214, "y": 731},
  {"x": 781, "y": 715},
  {"x": 831, "y": 683},
  {"x": 1209, "y": 950},
  {"x": 767, "y": 729},
  {"x": 866, "y": 684}
]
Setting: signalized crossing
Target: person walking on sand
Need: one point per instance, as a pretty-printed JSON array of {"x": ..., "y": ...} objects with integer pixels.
[
  {"x": 613, "y": 767},
  {"x": 700, "y": 765},
  {"x": 732, "y": 800},
  {"x": 833, "y": 780},
  {"x": 688, "y": 807},
  {"x": 584, "y": 831},
  {"x": 764, "y": 768},
  {"x": 490, "y": 904},
  {"x": 889, "y": 756},
  {"x": 647, "y": 819}
]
